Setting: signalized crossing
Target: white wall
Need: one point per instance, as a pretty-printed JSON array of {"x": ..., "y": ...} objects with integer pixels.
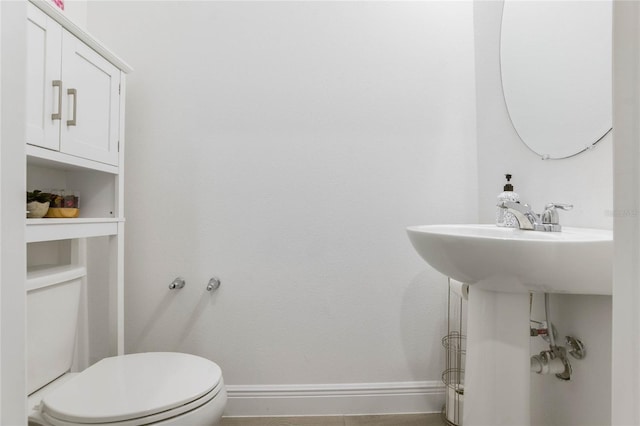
[
  {"x": 285, "y": 146},
  {"x": 626, "y": 294},
  {"x": 586, "y": 182},
  {"x": 76, "y": 10},
  {"x": 12, "y": 172}
]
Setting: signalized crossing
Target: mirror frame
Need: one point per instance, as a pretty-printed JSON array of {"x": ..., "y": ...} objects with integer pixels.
[{"x": 543, "y": 156}]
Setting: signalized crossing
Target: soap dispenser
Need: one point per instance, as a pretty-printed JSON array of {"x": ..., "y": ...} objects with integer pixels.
[{"x": 504, "y": 217}]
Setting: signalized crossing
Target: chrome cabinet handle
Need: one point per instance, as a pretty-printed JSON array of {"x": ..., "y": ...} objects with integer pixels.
[
  {"x": 74, "y": 93},
  {"x": 58, "y": 115}
]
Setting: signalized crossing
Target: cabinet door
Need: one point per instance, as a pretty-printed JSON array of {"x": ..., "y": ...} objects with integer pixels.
[
  {"x": 91, "y": 103},
  {"x": 44, "y": 88}
]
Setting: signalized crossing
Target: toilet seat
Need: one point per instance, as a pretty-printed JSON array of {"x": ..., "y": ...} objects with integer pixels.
[{"x": 134, "y": 389}]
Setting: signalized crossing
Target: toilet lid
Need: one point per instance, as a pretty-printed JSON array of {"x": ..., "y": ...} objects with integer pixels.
[{"x": 131, "y": 386}]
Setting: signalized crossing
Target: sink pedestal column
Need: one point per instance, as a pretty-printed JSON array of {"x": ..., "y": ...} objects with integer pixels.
[{"x": 497, "y": 365}]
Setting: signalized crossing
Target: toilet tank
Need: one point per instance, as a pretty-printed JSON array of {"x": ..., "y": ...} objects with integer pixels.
[{"x": 53, "y": 300}]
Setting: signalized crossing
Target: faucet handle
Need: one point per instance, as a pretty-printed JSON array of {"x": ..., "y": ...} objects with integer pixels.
[
  {"x": 550, "y": 213},
  {"x": 562, "y": 206}
]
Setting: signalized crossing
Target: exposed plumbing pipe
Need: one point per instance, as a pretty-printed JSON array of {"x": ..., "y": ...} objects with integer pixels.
[
  {"x": 552, "y": 338},
  {"x": 554, "y": 360}
]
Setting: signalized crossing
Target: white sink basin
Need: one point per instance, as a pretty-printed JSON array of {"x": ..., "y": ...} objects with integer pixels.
[
  {"x": 502, "y": 265},
  {"x": 575, "y": 260}
]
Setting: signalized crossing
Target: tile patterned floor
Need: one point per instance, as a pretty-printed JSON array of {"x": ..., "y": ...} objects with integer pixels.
[{"x": 382, "y": 420}]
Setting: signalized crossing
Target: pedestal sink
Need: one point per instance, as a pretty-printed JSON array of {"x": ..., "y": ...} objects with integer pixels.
[{"x": 501, "y": 266}]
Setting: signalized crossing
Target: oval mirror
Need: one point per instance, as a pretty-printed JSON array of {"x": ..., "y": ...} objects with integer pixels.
[{"x": 555, "y": 61}]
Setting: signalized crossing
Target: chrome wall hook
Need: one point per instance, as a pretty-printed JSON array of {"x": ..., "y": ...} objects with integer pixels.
[
  {"x": 178, "y": 283},
  {"x": 214, "y": 284}
]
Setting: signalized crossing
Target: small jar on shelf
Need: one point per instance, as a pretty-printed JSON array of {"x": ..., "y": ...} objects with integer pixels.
[{"x": 64, "y": 204}]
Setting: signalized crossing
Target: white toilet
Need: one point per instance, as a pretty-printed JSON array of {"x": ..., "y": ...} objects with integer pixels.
[{"x": 162, "y": 388}]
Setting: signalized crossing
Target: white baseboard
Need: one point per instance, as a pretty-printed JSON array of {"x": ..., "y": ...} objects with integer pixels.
[{"x": 335, "y": 399}]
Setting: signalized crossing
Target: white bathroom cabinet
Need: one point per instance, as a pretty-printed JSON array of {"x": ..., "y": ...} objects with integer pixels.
[
  {"x": 73, "y": 93},
  {"x": 51, "y": 67},
  {"x": 74, "y": 124}
]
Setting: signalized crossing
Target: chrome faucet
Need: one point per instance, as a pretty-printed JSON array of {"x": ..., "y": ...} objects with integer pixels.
[{"x": 527, "y": 219}]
